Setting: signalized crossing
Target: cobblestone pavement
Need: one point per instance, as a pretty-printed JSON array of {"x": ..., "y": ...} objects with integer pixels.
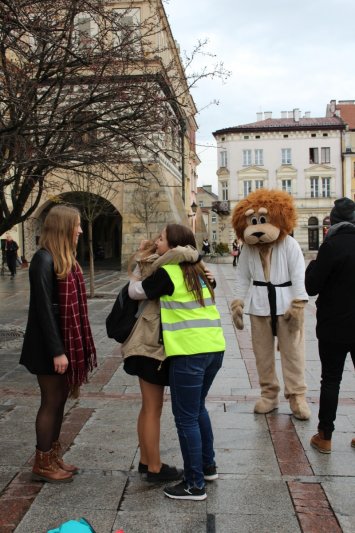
[{"x": 270, "y": 480}]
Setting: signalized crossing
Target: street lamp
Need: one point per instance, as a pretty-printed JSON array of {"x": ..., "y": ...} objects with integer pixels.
[{"x": 193, "y": 209}]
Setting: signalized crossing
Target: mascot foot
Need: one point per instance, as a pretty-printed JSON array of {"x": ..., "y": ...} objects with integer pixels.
[
  {"x": 299, "y": 407},
  {"x": 266, "y": 405}
]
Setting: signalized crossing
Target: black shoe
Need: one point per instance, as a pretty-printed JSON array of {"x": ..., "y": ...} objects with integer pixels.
[
  {"x": 210, "y": 472},
  {"x": 182, "y": 492},
  {"x": 142, "y": 468},
  {"x": 167, "y": 473}
]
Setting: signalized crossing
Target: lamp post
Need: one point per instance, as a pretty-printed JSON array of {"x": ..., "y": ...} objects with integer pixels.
[{"x": 193, "y": 209}]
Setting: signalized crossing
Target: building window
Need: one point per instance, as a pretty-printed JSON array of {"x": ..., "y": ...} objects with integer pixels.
[
  {"x": 314, "y": 187},
  {"x": 325, "y": 155},
  {"x": 86, "y": 30},
  {"x": 286, "y": 186},
  {"x": 224, "y": 161},
  {"x": 320, "y": 187},
  {"x": 213, "y": 218},
  {"x": 246, "y": 157},
  {"x": 224, "y": 186},
  {"x": 259, "y": 184},
  {"x": 200, "y": 203},
  {"x": 259, "y": 157},
  {"x": 127, "y": 29},
  {"x": 214, "y": 235},
  {"x": 247, "y": 187},
  {"x": 286, "y": 156},
  {"x": 313, "y": 155},
  {"x": 326, "y": 187}
]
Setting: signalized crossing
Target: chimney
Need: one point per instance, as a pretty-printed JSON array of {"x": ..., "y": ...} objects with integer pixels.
[
  {"x": 268, "y": 114},
  {"x": 283, "y": 114},
  {"x": 259, "y": 116},
  {"x": 307, "y": 114},
  {"x": 290, "y": 114},
  {"x": 296, "y": 114}
]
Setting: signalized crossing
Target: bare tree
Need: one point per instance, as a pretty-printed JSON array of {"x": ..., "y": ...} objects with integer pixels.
[
  {"x": 91, "y": 205},
  {"x": 146, "y": 206},
  {"x": 83, "y": 85}
]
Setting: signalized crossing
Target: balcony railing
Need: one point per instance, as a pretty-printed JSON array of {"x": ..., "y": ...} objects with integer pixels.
[{"x": 221, "y": 207}]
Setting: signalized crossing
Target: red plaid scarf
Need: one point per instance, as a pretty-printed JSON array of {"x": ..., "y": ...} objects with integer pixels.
[{"x": 78, "y": 342}]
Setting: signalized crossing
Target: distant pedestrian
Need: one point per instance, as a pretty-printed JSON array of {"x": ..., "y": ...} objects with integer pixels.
[
  {"x": 206, "y": 248},
  {"x": 58, "y": 345},
  {"x": 194, "y": 344},
  {"x": 235, "y": 252},
  {"x": 11, "y": 248},
  {"x": 331, "y": 276}
]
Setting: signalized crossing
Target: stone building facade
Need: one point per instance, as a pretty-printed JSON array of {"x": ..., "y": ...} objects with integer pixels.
[
  {"x": 169, "y": 176},
  {"x": 298, "y": 154}
]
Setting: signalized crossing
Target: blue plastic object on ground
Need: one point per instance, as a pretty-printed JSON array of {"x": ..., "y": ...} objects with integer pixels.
[{"x": 74, "y": 526}]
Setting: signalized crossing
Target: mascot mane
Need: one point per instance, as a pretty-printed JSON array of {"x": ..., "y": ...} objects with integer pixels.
[{"x": 280, "y": 207}]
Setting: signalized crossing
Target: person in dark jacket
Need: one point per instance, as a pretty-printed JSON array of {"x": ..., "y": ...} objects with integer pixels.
[
  {"x": 11, "y": 248},
  {"x": 58, "y": 345},
  {"x": 331, "y": 276}
]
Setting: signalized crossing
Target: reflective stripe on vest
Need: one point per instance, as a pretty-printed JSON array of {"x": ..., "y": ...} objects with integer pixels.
[{"x": 188, "y": 327}]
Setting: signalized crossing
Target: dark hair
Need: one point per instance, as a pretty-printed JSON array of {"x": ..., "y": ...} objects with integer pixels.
[{"x": 179, "y": 235}]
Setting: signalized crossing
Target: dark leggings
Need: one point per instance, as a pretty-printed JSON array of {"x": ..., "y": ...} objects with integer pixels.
[{"x": 54, "y": 394}]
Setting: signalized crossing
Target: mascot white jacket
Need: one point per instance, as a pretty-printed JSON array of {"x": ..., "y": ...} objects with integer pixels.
[{"x": 270, "y": 288}]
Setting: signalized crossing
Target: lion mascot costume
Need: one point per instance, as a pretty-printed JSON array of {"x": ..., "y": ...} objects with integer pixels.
[{"x": 270, "y": 288}]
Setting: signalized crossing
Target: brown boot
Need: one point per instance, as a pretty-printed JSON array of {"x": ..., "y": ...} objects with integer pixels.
[
  {"x": 320, "y": 443},
  {"x": 352, "y": 444},
  {"x": 46, "y": 469},
  {"x": 57, "y": 455}
]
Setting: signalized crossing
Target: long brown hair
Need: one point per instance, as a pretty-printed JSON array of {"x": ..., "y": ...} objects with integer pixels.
[
  {"x": 57, "y": 238},
  {"x": 179, "y": 235}
]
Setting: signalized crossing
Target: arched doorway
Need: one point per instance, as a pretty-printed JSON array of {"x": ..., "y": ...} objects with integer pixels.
[
  {"x": 313, "y": 233},
  {"x": 106, "y": 228}
]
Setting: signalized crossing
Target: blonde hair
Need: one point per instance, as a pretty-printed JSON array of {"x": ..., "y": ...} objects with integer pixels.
[{"x": 57, "y": 238}]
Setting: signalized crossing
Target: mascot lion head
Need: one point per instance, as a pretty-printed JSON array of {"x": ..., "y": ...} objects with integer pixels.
[{"x": 264, "y": 216}]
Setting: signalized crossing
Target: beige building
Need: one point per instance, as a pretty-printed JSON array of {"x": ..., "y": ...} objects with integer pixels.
[
  {"x": 169, "y": 171},
  {"x": 205, "y": 198},
  {"x": 298, "y": 154},
  {"x": 345, "y": 109}
]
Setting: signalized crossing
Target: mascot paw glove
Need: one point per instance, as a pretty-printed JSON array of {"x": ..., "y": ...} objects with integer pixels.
[
  {"x": 295, "y": 315},
  {"x": 237, "y": 313}
]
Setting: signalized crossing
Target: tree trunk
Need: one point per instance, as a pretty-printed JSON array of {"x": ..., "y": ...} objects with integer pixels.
[{"x": 91, "y": 260}]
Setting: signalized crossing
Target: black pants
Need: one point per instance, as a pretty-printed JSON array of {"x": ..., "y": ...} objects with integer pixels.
[
  {"x": 332, "y": 356},
  {"x": 11, "y": 262}
]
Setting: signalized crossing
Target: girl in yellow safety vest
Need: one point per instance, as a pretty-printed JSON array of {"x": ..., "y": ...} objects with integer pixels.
[{"x": 194, "y": 342}]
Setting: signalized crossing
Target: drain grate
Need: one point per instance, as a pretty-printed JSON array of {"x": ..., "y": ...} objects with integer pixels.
[{"x": 9, "y": 335}]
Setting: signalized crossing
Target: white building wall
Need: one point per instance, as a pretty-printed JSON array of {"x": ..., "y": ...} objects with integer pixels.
[{"x": 299, "y": 171}]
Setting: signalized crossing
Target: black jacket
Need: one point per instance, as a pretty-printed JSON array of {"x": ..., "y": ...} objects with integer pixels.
[
  {"x": 332, "y": 277},
  {"x": 43, "y": 339}
]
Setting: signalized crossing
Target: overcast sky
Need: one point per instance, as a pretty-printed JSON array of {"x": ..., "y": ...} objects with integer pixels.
[{"x": 283, "y": 54}]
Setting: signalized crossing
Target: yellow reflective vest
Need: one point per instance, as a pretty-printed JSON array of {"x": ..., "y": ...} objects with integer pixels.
[{"x": 188, "y": 327}]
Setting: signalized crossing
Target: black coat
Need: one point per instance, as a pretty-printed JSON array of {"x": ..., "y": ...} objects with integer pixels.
[
  {"x": 332, "y": 277},
  {"x": 43, "y": 339}
]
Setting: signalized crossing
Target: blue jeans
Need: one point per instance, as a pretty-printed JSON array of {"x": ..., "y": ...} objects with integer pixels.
[{"x": 190, "y": 380}]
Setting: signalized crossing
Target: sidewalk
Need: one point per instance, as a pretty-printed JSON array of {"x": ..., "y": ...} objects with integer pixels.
[{"x": 270, "y": 480}]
